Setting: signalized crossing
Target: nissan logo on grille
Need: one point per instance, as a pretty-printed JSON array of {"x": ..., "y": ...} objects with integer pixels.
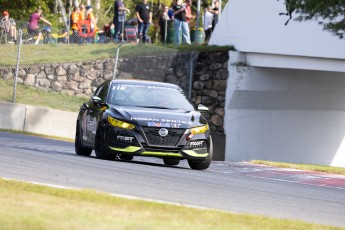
[{"x": 163, "y": 132}]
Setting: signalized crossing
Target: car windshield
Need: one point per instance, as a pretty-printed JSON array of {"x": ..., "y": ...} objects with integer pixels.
[{"x": 148, "y": 96}]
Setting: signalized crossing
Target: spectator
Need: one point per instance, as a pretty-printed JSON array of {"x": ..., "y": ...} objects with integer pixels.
[
  {"x": 108, "y": 32},
  {"x": 8, "y": 25},
  {"x": 207, "y": 22},
  {"x": 163, "y": 23},
  {"x": 63, "y": 38},
  {"x": 91, "y": 17},
  {"x": 180, "y": 22},
  {"x": 171, "y": 12},
  {"x": 74, "y": 23},
  {"x": 119, "y": 18},
  {"x": 189, "y": 15},
  {"x": 144, "y": 16},
  {"x": 33, "y": 27},
  {"x": 214, "y": 11},
  {"x": 82, "y": 12}
]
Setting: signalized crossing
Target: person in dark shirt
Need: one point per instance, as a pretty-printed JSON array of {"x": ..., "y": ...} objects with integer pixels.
[
  {"x": 180, "y": 22},
  {"x": 119, "y": 18},
  {"x": 144, "y": 15}
]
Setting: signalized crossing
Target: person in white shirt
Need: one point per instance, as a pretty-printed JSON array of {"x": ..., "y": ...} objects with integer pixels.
[{"x": 207, "y": 22}]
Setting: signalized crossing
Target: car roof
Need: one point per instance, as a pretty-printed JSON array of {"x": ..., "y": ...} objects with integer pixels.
[{"x": 143, "y": 82}]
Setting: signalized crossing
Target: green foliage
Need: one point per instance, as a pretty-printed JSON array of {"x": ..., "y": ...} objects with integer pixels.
[
  {"x": 22, "y": 9},
  {"x": 330, "y": 14}
]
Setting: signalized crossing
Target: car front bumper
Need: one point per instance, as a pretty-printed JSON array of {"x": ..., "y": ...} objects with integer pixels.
[{"x": 136, "y": 143}]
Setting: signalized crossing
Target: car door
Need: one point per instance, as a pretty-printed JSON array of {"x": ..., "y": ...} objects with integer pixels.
[
  {"x": 88, "y": 118},
  {"x": 96, "y": 111}
]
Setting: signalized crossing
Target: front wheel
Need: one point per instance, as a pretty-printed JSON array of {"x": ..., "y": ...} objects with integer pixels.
[
  {"x": 200, "y": 165},
  {"x": 101, "y": 150},
  {"x": 79, "y": 149}
]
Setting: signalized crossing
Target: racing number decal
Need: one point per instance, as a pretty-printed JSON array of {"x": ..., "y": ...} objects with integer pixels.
[
  {"x": 84, "y": 125},
  {"x": 91, "y": 124}
]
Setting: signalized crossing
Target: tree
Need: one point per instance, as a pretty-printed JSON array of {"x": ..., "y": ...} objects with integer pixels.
[
  {"x": 328, "y": 13},
  {"x": 22, "y": 9}
]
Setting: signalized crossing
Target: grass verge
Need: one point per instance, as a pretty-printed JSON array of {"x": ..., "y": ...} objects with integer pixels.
[
  {"x": 316, "y": 168},
  {"x": 29, "y": 206},
  {"x": 62, "y": 53},
  {"x": 38, "y": 97}
]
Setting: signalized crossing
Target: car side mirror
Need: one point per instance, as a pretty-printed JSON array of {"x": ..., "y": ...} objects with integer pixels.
[
  {"x": 202, "y": 108},
  {"x": 96, "y": 100}
]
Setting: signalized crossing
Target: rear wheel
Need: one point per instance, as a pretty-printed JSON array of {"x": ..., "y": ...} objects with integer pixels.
[
  {"x": 102, "y": 151},
  {"x": 168, "y": 161},
  {"x": 200, "y": 165},
  {"x": 79, "y": 149}
]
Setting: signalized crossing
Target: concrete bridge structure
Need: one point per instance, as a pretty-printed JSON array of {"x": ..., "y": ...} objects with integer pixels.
[{"x": 285, "y": 98}]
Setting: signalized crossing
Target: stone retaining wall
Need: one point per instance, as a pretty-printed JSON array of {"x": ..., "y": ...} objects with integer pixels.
[{"x": 82, "y": 78}]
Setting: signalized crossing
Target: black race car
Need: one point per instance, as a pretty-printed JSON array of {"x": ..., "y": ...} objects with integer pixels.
[{"x": 127, "y": 118}]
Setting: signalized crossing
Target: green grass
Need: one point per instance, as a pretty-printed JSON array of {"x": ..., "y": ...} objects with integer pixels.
[
  {"x": 62, "y": 53},
  {"x": 38, "y": 97},
  {"x": 316, "y": 168},
  {"x": 28, "y": 206}
]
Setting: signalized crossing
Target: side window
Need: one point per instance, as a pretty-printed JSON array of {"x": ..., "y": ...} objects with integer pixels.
[
  {"x": 104, "y": 92},
  {"x": 98, "y": 90}
]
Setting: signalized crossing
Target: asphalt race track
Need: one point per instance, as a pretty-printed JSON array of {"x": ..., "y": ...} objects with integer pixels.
[{"x": 231, "y": 186}]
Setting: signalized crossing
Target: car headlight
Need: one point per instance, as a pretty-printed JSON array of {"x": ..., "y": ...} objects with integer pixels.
[
  {"x": 120, "y": 124},
  {"x": 199, "y": 130}
]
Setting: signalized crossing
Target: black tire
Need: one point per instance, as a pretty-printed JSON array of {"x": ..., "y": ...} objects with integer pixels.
[
  {"x": 126, "y": 157},
  {"x": 102, "y": 151},
  {"x": 169, "y": 161},
  {"x": 200, "y": 165},
  {"x": 79, "y": 149}
]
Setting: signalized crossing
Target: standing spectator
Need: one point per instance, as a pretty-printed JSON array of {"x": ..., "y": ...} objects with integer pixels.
[
  {"x": 74, "y": 23},
  {"x": 33, "y": 27},
  {"x": 91, "y": 17},
  {"x": 215, "y": 12},
  {"x": 207, "y": 22},
  {"x": 180, "y": 22},
  {"x": 189, "y": 15},
  {"x": 163, "y": 23},
  {"x": 82, "y": 12},
  {"x": 8, "y": 25},
  {"x": 171, "y": 12},
  {"x": 144, "y": 16},
  {"x": 119, "y": 18}
]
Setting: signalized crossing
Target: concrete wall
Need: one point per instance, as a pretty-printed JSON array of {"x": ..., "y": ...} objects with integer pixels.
[
  {"x": 256, "y": 26},
  {"x": 37, "y": 120},
  {"x": 286, "y": 115}
]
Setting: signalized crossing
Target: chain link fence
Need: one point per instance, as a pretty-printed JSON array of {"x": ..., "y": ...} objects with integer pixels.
[{"x": 62, "y": 75}]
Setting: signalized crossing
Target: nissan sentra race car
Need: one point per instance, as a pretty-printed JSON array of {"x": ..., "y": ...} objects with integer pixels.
[{"x": 127, "y": 118}]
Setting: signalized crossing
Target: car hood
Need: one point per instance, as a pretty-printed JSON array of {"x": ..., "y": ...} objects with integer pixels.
[{"x": 158, "y": 117}]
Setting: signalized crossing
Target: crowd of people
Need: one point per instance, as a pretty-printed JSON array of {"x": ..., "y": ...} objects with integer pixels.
[
  {"x": 82, "y": 21},
  {"x": 180, "y": 14}
]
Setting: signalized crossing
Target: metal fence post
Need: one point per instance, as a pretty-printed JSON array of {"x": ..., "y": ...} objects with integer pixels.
[
  {"x": 165, "y": 30},
  {"x": 194, "y": 55},
  {"x": 116, "y": 60},
  {"x": 17, "y": 66}
]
